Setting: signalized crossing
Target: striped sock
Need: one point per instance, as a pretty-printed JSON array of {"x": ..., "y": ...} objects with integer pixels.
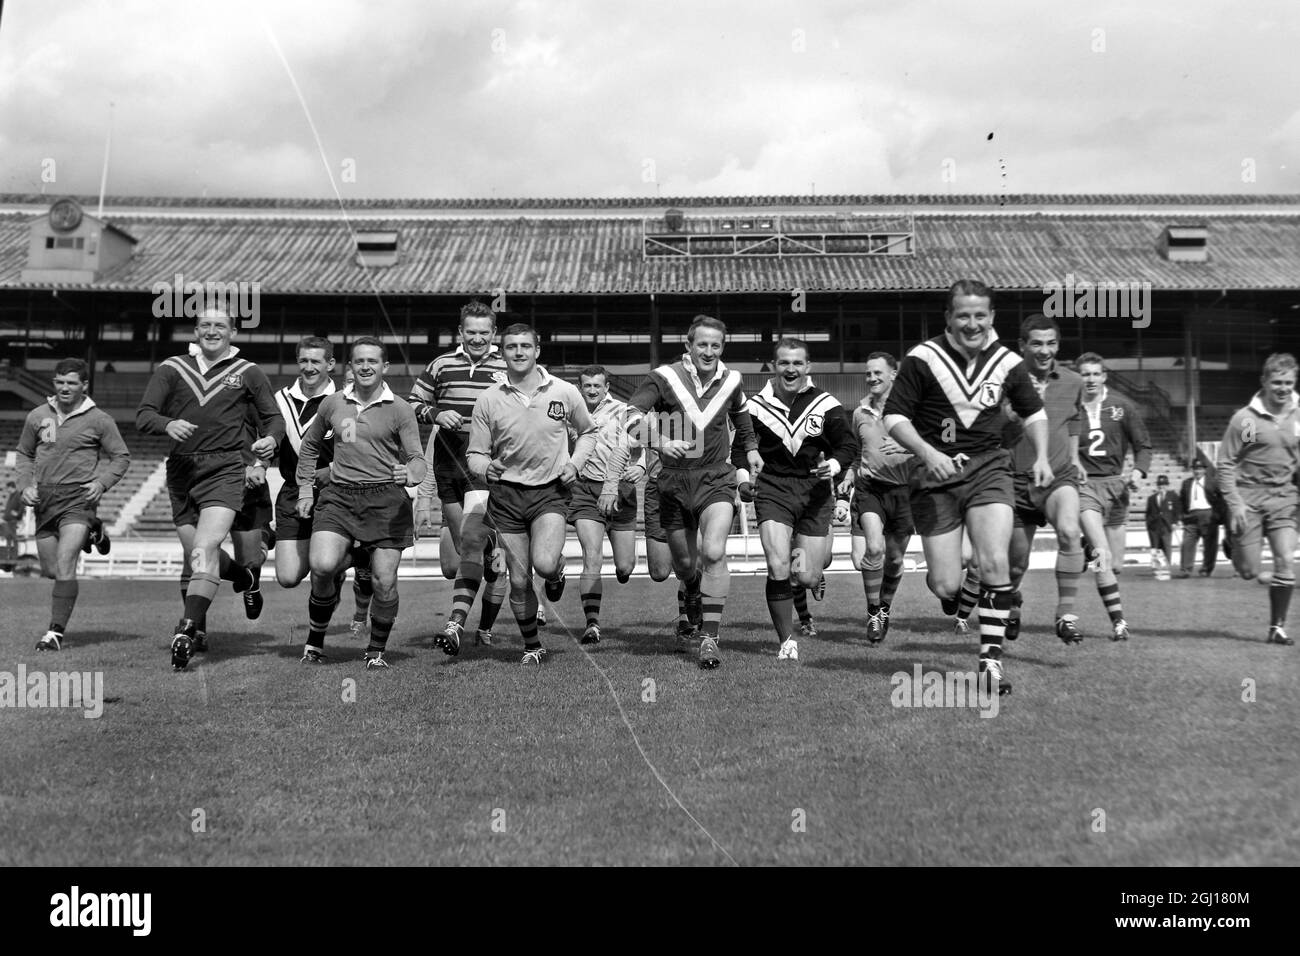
[
  {"x": 591, "y": 604},
  {"x": 800, "y": 595},
  {"x": 873, "y": 580},
  {"x": 62, "y": 601},
  {"x": 320, "y": 608},
  {"x": 970, "y": 594},
  {"x": 893, "y": 578},
  {"x": 383, "y": 615},
  {"x": 780, "y": 604},
  {"x": 1069, "y": 568},
  {"x": 1108, "y": 588},
  {"x": 683, "y": 621},
  {"x": 525, "y": 612},
  {"x": 995, "y": 605},
  {"x": 714, "y": 588},
  {"x": 1279, "y": 598}
]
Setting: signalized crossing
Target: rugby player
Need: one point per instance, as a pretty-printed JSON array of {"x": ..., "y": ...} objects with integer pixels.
[
  {"x": 945, "y": 408},
  {"x": 376, "y": 456},
  {"x": 693, "y": 401},
  {"x": 202, "y": 402},
  {"x": 519, "y": 444},
  {"x": 1258, "y": 465},
  {"x": 69, "y": 453}
]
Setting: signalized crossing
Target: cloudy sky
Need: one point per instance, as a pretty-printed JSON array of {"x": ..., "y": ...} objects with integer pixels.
[{"x": 454, "y": 98}]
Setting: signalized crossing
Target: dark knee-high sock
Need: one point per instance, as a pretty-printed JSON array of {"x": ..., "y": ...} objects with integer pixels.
[
  {"x": 493, "y": 597},
  {"x": 363, "y": 589},
  {"x": 1279, "y": 598},
  {"x": 62, "y": 601},
  {"x": 1069, "y": 567},
  {"x": 970, "y": 594},
  {"x": 715, "y": 585},
  {"x": 780, "y": 604},
  {"x": 525, "y": 611},
  {"x": 873, "y": 579},
  {"x": 799, "y": 594},
  {"x": 889, "y": 586},
  {"x": 383, "y": 613},
  {"x": 1108, "y": 588},
  {"x": 320, "y": 608},
  {"x": 468, "y": 578},
  {"x": 683, "y": 619},
  {"x": 591, "y": 595},
  {"x": 202, "y": 589}
]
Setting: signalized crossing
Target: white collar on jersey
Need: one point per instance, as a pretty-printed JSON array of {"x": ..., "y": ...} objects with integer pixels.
[
  {"x": 295, "y": 390},
  {"x": 718, "y": 374},
  {"x": 204, "y": 364},
  {"x": 385, "y": 395},
  {"x": 1257, "y": 404}
]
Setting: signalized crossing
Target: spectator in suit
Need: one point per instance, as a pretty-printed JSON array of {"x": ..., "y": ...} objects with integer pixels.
[
  {"x": 13, "y": 519},
  {"x": 1202, "y": 505},
  {"x": 1163, "y": 514}
]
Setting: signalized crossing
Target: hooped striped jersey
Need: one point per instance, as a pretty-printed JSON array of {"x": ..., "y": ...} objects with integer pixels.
[
  {"x": 791, "y": 437},
  {"x": 1113, "y": 426},
  {"x": 453, "y": 381},
  {"x": 680, "y": 407},
  {"x": 955, "y": 404},
  {"x": 299, "y": 412},
  {"x": 215, "y": 397}
]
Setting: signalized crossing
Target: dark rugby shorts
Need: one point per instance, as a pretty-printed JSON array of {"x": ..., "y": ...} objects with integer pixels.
[
  {"x": 685, "y": 493},
  {"x": 1031, "y": 501},
  {"x": 584, "y": 504},
  {"x": 375, "y": 516},
  {"x": 195, "y": 482},
  {"x": 453, "y": 478},
  {"x": 985, "y": 480},
  {"x": 60, "y": 505},
  {"x": 891, "y": 503},
  {"x": 288, "y": 526},
  {"x": 257, "y": 510},
  {"x": 806, "y": 504},
  {"x": 1268, "y": 508},
  {"x": 1107, "y": 495},
  {"x": 514, "y": 507}
]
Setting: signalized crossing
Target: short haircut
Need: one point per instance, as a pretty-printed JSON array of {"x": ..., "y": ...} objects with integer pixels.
[
  {"x": 705, "y": 322},
  {"x": 315, "y": 342},
  {"x": 369, "y": 340},
  {"x": 1038, "y": 323},
  {"x": 475, "y": 309},
  {"x": 892, "y": 362},
  {"x": 1278, "y": 362},
  {"x": 214, "y": 312},
  {"x": 591, "y": 371},
  {"x": 1090, "y": 358},
  {"x": 69, "y": 365},
  {"x": 968, "y": 287},
  {"x": 790, "y": 342},
  {"x": 521, "y": 328},
  {"x": 1198, "y": 462}
]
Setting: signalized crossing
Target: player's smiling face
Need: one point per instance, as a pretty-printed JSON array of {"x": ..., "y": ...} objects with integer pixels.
[
  {"x": 476, "y": 333},
  {"x": 1040, "y": 349},
  {"x": 313, "y": 367},
  {"x": 969, "y": 320},
  {"x": 521, "y": 352},
  {"x": 69, "y": 390},
  {"x": 214, "y": 332},
  {"x": 1094, "y": 377},
  {"x": 705, "y": 350},
  {"x": 368, "y": 366},
  {"x": 879, "y": 377},
  {"x": 594, "y": 389},
  {"x": 792, "y": 368},
  {"x": 1277, "y": 388}
]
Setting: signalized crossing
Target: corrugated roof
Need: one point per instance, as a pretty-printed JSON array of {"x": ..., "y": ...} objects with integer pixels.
[{"x": 602, "y": 254}]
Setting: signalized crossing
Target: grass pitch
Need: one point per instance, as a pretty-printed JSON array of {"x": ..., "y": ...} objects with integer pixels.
[{"x": 1114, "y": 754}]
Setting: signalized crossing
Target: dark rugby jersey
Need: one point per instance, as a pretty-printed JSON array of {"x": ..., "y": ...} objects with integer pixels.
[
  {"x": 216, "y": 401},
  {"x": 1112, "y": 426},
  {"x": 1061, "y": 390},
  {"x": 955, "y": 405},
  {"x": 790, "y": 437},
  {"x": 453, "y": 382},
  {"x": 685, "y": 410},
  {"x": 299, "y": 412}
]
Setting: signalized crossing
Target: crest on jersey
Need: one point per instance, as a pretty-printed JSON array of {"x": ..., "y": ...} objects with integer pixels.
[
  {"x": 556, "y": 411},
  {"x": 234, "y": 381},
  {"x": 813, "y": 425},
  {"x": 1116, "y": 413},
  {"x": 990, "y": 394}
]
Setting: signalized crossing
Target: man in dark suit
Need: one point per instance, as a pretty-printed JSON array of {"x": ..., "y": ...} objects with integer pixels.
[
  {"x": 1163, "y": 513},
  {"x": 1202, "y": 506}
]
